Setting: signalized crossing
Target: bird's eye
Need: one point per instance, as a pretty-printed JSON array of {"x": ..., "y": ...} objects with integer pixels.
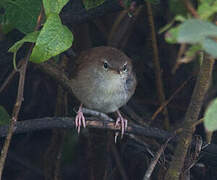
[
  {"x": 105, "y": 65},
  {"x": 124, "y": 69}
]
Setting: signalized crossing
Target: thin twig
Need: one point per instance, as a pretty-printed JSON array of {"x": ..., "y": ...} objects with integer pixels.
[
  {"x": 10, "y": 77},
  {"x": 171, "y": 97},
  {"x": 17, "y": 105},
  {"x": 191, "y": 9},
  {"x": 154, "y": 161},
  {"x": 159, "y": 82}
]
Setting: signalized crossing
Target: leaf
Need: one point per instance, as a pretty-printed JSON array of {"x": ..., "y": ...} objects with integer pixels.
[
  {"x": 4, "y": 116},
  {"x": 30, "y": 37},
  {"x": 22, "y": 14},
  {"x": 89, "y": 4},
  {"x": 53, "y": 39},
  {"x": 210, "y": 46},
  {"x": 53, "y": 6},
  {"x": 195, "y": 31},
  {"x": 210, "y": 120},
  {"x": 203, "y": 11},
  {"x": 171, "y": 35},
  {"x": 177, "y": 7},
  {"x": 178, "y": 18},
  {"x": 193, "y": 50}
]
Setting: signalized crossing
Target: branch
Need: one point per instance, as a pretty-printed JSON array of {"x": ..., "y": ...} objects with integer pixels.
[
  {"x": 191, "y": 117},
  {"x": 68, "y": 122},
  {"x": 18, "y": 103},
  {"x": 157, "y": 68}
]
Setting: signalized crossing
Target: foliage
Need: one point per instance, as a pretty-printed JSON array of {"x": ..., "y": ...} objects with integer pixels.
[
  {"x": 20, "y": 14},
  {"x": 199, "y": 33},
  {"x": 4, "y": 116},
  {"x": 51, "y": 40},
  {"x": 210, "y": 121}
]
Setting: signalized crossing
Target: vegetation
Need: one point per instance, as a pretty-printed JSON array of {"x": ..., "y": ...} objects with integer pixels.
[{"x": 173, "y": 48}]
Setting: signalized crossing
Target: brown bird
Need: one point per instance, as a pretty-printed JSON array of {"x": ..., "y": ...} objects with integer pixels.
[{"x": 103, "y": 80}]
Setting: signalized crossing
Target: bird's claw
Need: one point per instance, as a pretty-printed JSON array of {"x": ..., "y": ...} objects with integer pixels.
[
  {"x": 123, "y": 124},
  {"x": 80, "y": 120}
]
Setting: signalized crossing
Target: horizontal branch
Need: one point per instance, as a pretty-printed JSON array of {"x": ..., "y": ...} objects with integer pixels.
[{"x": 67, "y": 122}]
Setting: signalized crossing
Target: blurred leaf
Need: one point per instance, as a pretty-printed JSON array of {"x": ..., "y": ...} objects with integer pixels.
[
  {"x": 53, "y": 6},
  {"x": 4, "y": 116},
  {"x": 210, "y": 120},
  {"x": 53, "y": 39},
  {"x": 178, "y": 18},
  {"x": 210, "y": 46},
  {"x": 177, "y": 7},
  {"x": 89, "y": 4},
  {"x": 195, "y": 31},
  {"x": 22, "y": 14},
  {"x": 206, "y": 9},
  {"x": 6, "y": 26},
  {"x": 192, "y": 50},
  {"x": 171, "y": 35}
]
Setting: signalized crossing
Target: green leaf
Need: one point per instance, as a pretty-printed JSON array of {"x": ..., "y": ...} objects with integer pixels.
[
  {"x": 30, "y": 37},
  {"x": 195, "y": 31},
  {"x": 171, "y": 35},
  {"x": 4, "y": 116},
  {"x": 210, "y": 46},
  {"x": 53, "y": 39},
  {"x": 89, "y": 4},
  {"x": 22, "y": 14},
  {"x": 210, "y": 120},
  {"x": 53, "y": 6},
  {"x": 206, "y": 9},
  {"x": 178, "y": 18},
  {"x": 177, "y": 7},
  {"x": 192, "y": 50}
]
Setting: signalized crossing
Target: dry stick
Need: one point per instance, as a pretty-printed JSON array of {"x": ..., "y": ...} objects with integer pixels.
[
  {"x": 15, "y": 113},
  {"x": 17, "y": 105},
  {"x": 190, "y": 119},
  {"x": 180, "y": 53},
  {"x": 155, "y": 160},
  {"x": 159, "y": 82},
  {"x": 171, "y": 97},
  {"x": 190, "y": 8}
]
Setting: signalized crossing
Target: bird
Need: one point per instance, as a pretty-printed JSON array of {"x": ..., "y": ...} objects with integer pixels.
[{"x": 103, "y": 80}]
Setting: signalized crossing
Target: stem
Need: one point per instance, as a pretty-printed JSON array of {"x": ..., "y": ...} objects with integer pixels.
[
  {"x": 17, "y": 104},
  {"x": 159, "y": 82},
  {"x": 191, "y": 117}
]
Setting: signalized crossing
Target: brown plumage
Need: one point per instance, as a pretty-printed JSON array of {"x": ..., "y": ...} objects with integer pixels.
[{"x": 103, "y": 80}]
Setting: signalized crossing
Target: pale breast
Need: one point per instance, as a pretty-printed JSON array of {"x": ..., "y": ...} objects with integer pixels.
[{"x": 101, "y": 95}]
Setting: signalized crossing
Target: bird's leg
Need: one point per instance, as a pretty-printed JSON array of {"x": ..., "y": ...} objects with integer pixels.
[
  {"x": 122, "y": 122},
  {"x": 79, "y": 119}
]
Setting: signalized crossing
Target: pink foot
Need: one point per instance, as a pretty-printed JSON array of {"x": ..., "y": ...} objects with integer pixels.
[
  {"x": 120, "y": 122},
  {"x": 80, "y": 119}
]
